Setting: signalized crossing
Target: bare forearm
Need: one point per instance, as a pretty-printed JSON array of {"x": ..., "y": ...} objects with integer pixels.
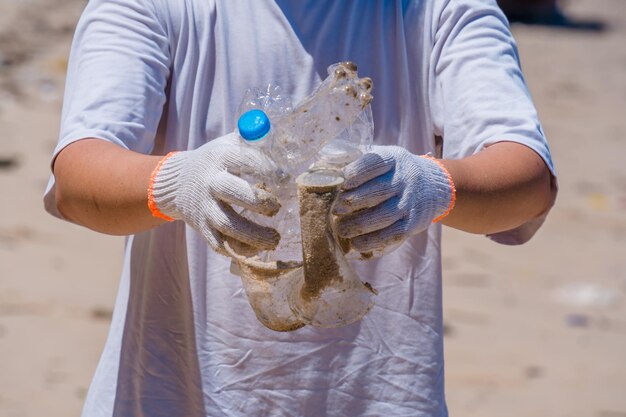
[
  {"x": 499, "y": 188},
  {"x": 103, "y": 186}
]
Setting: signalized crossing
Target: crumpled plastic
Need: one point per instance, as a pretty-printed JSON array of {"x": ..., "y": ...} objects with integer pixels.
[{"x": 307, "y": 280}]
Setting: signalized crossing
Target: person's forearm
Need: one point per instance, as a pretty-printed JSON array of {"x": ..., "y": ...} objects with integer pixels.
[
  {"x": 499, "y": 189},
  {"x": 103, "y": 186}
]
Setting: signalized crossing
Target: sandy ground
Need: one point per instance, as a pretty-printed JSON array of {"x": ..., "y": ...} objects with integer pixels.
[{"x": 537, "y": 330}]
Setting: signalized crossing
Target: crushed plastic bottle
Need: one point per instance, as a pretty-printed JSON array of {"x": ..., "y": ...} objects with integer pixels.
[
  {"x": 337, "y": 114},
  {"x": 255, "y": 129},
  {"x": 306, "y": 279},
  {"x": 321, "y": 117}
]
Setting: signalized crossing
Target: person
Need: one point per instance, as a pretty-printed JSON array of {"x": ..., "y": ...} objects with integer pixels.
[
  {"x": 530, "y": 10},
  {"x": 149, "y": 78}
]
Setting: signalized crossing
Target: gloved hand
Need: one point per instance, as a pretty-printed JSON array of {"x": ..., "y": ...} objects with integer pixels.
[
  {"x": 388, "y": 195},
  {"x": 199, "y": 186}
]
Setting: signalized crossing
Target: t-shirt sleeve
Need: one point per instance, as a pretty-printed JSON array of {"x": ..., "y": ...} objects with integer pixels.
[
  {"x": 478, "y": 92},
  {"x": 116, "y": 79}
]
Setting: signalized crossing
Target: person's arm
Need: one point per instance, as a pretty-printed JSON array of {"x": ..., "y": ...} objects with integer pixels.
[
  {"x": 118, "y": 70},
  {"x": 499, "y": 188},
  {"x": 110, "y": 189},
  {"x": 481, "y": 105},
  {"x": 103, "y": 186},
  {"x": 390, "y": 194}
]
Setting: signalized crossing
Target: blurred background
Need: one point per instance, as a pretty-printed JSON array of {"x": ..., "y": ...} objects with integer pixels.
[{"x": 536, "y": 330}]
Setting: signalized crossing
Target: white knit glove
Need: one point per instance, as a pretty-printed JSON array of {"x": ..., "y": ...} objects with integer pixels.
[
  {"x": 388, "y": 195},
  {"x": 199, "y": 187}
]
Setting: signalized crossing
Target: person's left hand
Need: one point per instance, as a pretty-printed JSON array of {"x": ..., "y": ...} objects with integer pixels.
[{"x": 388, "y": 195}]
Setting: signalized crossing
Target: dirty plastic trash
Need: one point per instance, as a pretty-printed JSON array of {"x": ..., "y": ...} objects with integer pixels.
[
  {"x": 321, "y": 117},
  {"x": 328, "y": 293},
  {"x": 254, "y": 128},
  {"x": 267, "y": 286},
  {"x": 306, "y": 279}
]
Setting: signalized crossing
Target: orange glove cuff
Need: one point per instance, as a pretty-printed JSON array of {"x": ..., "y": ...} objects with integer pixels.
[
  {"x": 452, "y": 187},
  {"x": 151, "y": 203}
]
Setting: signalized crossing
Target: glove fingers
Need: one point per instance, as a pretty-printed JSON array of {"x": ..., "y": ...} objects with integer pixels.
[
  {"x": 367, "y": 195},
  {"x": 237, "y": 191},
  {"x": 213, "y": 238},
  {"x": 370, "y": 220},
  {"x": 231, "y": 224},
  {"x": 216, "y": 241},
  {"x": 243, "y": 159},
  {"x": 251, "y": 161},
  {"x": 241, "y": 248},
  {"x": 368, "y": 167},
  {"x": 381, "y": 240}
]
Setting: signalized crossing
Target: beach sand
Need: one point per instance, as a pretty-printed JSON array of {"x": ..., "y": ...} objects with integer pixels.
[{"x": 535, "y": 330}]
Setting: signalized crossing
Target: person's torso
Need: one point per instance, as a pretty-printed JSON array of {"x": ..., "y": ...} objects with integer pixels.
[{"x": 181, "y": 317}]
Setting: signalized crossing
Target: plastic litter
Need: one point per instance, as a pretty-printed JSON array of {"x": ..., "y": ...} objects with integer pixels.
[{"x": 306, "y": 279}]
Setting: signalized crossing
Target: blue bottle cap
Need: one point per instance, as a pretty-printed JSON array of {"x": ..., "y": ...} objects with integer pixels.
[{"x": 253, "y": 125}]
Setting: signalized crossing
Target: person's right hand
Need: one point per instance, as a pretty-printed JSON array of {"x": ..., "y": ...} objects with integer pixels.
[{"x": 199, "y": 186}]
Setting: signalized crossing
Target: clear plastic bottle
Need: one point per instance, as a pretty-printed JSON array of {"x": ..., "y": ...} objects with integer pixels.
[
  {"x": 327, "y": 130},
  {"x": 255, "y": 129}
]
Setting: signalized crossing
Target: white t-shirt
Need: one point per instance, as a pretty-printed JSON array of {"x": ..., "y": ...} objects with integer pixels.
[{"x": 160, "y": 75}]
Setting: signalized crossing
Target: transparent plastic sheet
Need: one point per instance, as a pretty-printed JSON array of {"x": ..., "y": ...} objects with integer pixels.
[{"x": 307, "y": 278}]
